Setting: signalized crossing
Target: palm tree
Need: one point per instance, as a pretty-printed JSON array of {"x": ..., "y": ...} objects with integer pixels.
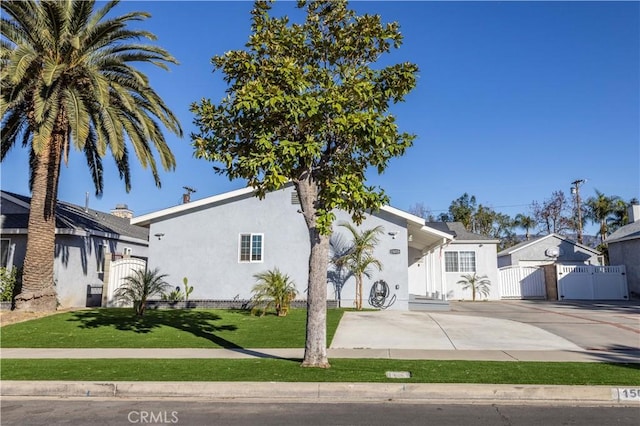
[
  {"x": 273, "y": 289},
  {"x": 525, "y": 222},
  {"x": 139, "y": 287},
  {"x": 359, "y": 258},
  {"x": 600, "y": 209},
  {"x": 477, "y": 284},
  {"x": 67, "y": 76}
]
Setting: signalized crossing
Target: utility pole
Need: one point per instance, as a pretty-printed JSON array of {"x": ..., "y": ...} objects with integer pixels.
[{"x": 575, "y": 189}]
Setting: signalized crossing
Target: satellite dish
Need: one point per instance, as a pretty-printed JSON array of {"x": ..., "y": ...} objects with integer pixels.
[{"x": 552, "y": 252}]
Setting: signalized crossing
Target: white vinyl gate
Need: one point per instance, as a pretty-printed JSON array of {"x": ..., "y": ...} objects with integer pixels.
[
  {"x": 118, "y": 271},
  {"x": 587, "y": 282},
  {"x": 522, "y": 282}
]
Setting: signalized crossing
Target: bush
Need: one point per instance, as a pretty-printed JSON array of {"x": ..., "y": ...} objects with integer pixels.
[
  {"x": 140, "y": 286},
  {"x": 9, "y": 284},
  {"x": 273, "y": 289}
]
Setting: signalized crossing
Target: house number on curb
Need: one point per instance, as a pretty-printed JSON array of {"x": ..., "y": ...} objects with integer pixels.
[{"x": 629, "y": 394}]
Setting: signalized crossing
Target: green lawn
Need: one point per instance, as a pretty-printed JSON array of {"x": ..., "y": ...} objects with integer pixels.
[
  {"x": 342, "y": 370},
  {"x": 180, "y": 328}
]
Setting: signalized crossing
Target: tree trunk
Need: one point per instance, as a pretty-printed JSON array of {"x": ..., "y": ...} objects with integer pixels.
[
  {"x": 38, "y": 287},
  {"x": 315, "y": 349},
  {"x": 359, "y": 292}
]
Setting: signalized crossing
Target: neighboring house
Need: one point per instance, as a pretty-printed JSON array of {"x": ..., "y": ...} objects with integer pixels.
[
  {"x": 467, "y": 254},
  {"x": 548, "y": 249},
  {"x": 85, "y": 238},
  {"x": 220, "y": 242},
  {"x": 624, "y": 249}
]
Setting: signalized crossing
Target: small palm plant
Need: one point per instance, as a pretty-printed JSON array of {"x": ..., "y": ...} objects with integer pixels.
[
  {"x": 478, "y": 284},
  {"x": 273, "y": 290},
  {"x": 140, "y": 286},
  {"x": 358, "y": 258}
]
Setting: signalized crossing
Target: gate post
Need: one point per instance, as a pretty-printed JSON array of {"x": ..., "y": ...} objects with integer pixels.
[
  {"x": 105, "y": 282},
  {"x": 551, "y": 281}
]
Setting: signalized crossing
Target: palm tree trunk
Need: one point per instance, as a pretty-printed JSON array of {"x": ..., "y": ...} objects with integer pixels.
[
  {"x": 38, "y": 287},
  {"x": 315, "y": 349},
  {"x": 359, "y": 292}
]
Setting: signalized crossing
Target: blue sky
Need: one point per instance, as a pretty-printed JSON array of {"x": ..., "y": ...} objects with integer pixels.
[{"x": 514, "y": 101}]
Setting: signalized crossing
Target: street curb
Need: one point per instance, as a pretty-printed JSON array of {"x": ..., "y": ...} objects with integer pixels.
[{"x": 326, "y": 392}]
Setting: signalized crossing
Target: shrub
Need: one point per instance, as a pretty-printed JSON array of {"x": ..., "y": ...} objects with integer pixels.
[
  {"x": 273, "y": 289},
  {"x": 478, "y": 284},
  {"x": 9, "y": 284},
  {"x": 139, "y": 286}
]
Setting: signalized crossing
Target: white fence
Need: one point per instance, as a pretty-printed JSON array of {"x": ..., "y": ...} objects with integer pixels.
[
  {"x": 118, "y": 271},
  {"x": 586, "y": 282},
  {"x": 522, "y": 282}
]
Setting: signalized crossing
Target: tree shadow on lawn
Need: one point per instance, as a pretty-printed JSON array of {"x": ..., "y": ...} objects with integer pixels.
[{"x": 198, "y": 323}]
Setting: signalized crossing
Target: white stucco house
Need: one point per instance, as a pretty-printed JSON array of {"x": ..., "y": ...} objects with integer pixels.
[
  {"x": 220, "y": 242},
  {"x": 624, "y": 249},
  {"x": 546, "y": 250},
  {"x": 85, "y": 240}
]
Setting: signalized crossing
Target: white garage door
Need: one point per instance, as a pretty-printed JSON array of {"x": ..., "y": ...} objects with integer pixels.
[{"x": 586, "y": 282}]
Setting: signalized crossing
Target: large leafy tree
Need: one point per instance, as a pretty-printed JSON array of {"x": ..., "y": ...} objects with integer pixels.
[
  {"x": 68, "y": 80},
  {"x": 305, "y": 105}
]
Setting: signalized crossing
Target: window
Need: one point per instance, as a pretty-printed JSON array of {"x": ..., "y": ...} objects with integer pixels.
[
  {"x": 126, "y": 251},
  {"x": 4, "y": 252},
  {"x": 460, "y": 261},
  {"x": 251, "y": 247}
]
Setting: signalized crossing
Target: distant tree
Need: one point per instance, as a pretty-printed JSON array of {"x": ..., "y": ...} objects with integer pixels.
[
  {"x": 306, "y": 105},
  {"x": 462, "y": 210},
  {"x": 68, "y": 81},
  {"x": 139, "y": 287},
  {"x": 420, "y": 210},
  {"x": 554, "y": 214},
  {"x": 525, "y": 222},
  {"x": 620, "y": 215},
  {"x": 359, "y": 259},
  {"x": 601, "y": 210}
]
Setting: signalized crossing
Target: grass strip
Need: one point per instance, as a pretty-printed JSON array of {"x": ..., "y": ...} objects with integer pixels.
[
  {"x": 342, "y": 370},
  {"x": 180, "y": 328}
]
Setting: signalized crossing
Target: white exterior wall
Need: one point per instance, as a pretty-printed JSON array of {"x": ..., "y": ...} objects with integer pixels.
[
  {"x": 202, "y": 244},
  {"x": 76, "y": 265},
  {"x": 485, "y": 265}
]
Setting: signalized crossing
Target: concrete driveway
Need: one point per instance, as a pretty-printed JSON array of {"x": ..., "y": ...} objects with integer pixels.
[
  {"x": 503, "y": 325},
  {"x": 592, "y": 325}
]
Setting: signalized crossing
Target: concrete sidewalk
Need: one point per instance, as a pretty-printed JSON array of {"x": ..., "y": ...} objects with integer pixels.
[{"x": 298, "y": 353}]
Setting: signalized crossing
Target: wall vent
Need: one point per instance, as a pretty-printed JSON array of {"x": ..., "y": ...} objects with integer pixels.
[{"x": 294, "y": 198}]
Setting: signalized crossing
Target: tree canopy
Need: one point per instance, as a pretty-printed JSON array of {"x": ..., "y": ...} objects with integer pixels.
[{"x": 305, "y": 104}]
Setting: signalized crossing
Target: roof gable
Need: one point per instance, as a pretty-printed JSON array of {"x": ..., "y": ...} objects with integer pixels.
[{"x": 537, "y": 240}]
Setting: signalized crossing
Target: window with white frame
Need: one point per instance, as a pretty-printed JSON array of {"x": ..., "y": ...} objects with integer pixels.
[
  {"x": 126, "y": 251},
  {"x": 5, "y": 243},
  {"x": 251, "y": 247},
  {"x": 460, "y": 261}
]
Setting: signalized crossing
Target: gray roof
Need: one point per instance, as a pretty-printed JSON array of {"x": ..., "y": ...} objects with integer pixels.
[
  {"x": 458, "y": 230},
  {"x": 521, "y": 244},
  {"x": 624, "y": 233},
  {"x": 71, "y": 216}
]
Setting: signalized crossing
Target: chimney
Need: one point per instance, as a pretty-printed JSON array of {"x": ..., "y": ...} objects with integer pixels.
[
  {"x": 122, "y": 211},
  {"x": 634, "y": 213},
  {"x": 86, "y": 202},
  {"x": 186, "y": 197}
]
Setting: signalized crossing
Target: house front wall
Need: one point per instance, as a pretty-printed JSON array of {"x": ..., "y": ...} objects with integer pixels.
[
  {"x": 485, "y": 255},
  {"x": 628, "y": 253},
  {"x": 79, "y": 263},
  {"x": 203, "y": 245}
]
